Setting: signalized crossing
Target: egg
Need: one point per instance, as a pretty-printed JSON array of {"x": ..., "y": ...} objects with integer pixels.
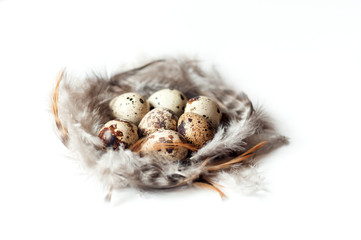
[
  {"x": 169, "y": 98},
  {"x": 195, "y": 129},
  {"x": 158, "y": 118},
  {"x": 117, "y": 132},
  {"x": 167, "y": 153},
  {"x": 205, "y": 107},
  {"x": 129, "y": 106}
]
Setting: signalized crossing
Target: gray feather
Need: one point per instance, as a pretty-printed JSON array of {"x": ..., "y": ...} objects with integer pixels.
[{"x": 83, "y": 109}]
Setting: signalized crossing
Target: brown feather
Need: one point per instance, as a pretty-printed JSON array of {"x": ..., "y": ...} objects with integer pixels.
[
  {"x": 63, "y": 131},
  {"x": 238, "y": 159},
  {"x": 210, "y": 187},
  {"x": 136, "y": 147}
]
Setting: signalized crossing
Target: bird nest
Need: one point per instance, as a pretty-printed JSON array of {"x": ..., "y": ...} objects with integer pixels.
[{"x": 81, "y": 107}]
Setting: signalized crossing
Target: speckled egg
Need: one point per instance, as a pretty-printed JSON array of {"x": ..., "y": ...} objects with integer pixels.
[
  {"x": 169, "y": 98},
  {"x": 205, "y": 107},
  {"x": 129, "y": 106},
  {"x": 118, "y": 132},
  {"x": 158, "y": 118},
  {"x": 168, "y": 153},
  {"x": 195, "y": 129}
]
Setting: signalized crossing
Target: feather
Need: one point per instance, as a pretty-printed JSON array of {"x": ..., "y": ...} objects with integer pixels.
[{"x": 81, "y": 107}]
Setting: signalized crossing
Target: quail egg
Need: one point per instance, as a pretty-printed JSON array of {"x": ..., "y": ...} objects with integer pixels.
[
  {"x": 169, "y": 98},
  {"x": 117, "y": 132},
  {"x": 158, "y": 118},
  {"x": 195, "y": 129},
  {"x": 129, "y": 106},
  {"x": 163, "y": 137},
  {"x": 205, "y": 107}
]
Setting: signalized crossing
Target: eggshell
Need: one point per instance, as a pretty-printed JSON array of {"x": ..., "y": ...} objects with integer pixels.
[
  {"x": 169, "y": 98},
  {"x": 205, "y": 107},
  {"x": 158, "y": 118},
  {"x": 167, "y": 153},
  {"x": 195, "y": 129},
  {"x": 117, "y": 132},
  {"x": 129, "y": 106}
]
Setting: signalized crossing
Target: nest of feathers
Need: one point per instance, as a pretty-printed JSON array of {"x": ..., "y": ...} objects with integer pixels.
[{"x": 81, "y": 107}]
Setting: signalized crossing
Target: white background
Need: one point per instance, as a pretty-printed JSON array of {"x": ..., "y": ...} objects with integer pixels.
[{"x": 301, "y": 60}]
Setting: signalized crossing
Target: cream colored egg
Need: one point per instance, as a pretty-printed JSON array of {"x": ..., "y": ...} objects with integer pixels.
[
  {"x": 152, "y": 145},
  {"x": 169, "y": 98},
  {"x": 118, "y": 132},
  {"x": 129, "y": 106},
  {"x": 195, "y": 129},
  {"x": 156, "y": 119},
  {"x": 205, "y": 107}
]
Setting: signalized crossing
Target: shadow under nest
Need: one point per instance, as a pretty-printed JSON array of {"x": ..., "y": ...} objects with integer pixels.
[{"x": 81, "y": 107}]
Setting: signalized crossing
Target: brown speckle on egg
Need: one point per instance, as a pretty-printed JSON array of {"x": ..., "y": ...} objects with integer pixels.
[
  {"x": 129, "y": 106},
  {"x": 195, "y": 129},
  {"x": 169, "y": 98},
  {"x": 190, "y": 101},
  {"x": 181, "y": 127},
  {"x": 118, "y": 132},
  {"x": 156, "y": 139},
  {"x": 109, "y": 137},
  {"x": 158, "y": 118},
  {"x": 206, "y": 107}
]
